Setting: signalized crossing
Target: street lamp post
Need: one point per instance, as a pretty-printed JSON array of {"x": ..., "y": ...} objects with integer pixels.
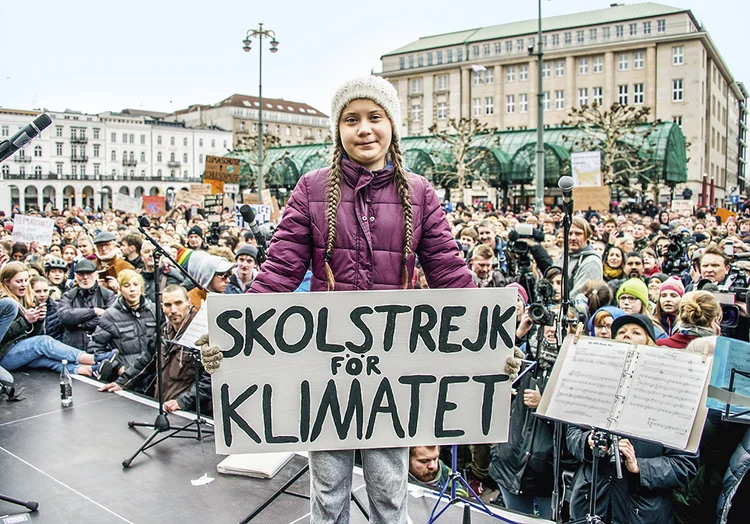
[
  {"x": 539, "y": 194},
  {"x": 260, "y": 34}
]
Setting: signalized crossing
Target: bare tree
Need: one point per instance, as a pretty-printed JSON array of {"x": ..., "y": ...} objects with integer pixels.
[
  {"x": 246, "y": 149},
  {"x": 469, "y": 141}
]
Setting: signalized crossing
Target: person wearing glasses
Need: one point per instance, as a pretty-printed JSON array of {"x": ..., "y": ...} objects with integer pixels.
[
  {"x": 212, "y": 272},
  {"x": 600, "y": 323}
]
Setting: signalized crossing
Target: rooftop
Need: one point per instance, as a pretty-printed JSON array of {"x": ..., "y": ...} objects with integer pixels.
[
  {"x": 614, "y": 13},
  {"x": 253, "y": 102}
]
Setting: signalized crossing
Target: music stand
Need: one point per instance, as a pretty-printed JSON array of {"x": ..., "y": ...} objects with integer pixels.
[{"x": 161, "y": 424}]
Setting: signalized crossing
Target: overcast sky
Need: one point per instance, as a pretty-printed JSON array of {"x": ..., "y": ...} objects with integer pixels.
[{"x": 163, "y": 55}]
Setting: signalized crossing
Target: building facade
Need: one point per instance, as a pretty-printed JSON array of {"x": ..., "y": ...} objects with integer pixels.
[
  {"x": 292, "y": 123},
  {"x": 642, "y": 54},
  {"x": 82, "y": 159}
]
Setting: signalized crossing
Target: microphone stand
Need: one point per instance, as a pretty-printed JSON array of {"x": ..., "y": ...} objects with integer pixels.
[{"x": 161, "y": 424}]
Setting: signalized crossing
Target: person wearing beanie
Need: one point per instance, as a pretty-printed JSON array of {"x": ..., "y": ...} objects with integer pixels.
[
  {"x": 668, "y": 303},
  {"x": 195, "y": 238},
  {"x": 245, "y": 271},
  {"x": 635, "y": 329},
  {"x": 632, "y": 297},
  {"x": 699, "y": 315},
  {"x": 654, "y": 283},
  {"x": 358, "y": 225}
]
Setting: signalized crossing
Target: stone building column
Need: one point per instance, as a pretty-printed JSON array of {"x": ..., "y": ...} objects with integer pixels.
[
  {"x": 650, "y": 87},
  {"x": 609, "y": 94}
]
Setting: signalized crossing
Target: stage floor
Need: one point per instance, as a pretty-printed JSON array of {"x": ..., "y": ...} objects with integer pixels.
[{"x": 69, "y": 461}]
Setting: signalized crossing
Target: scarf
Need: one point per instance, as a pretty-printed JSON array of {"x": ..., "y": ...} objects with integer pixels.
[
  {"x": 610, "y": 273},
  {"x": 548, "y": 352},
  {"x": 693, "y": 331}
]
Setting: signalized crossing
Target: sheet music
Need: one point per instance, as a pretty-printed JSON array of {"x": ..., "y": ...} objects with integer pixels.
[
  {"x": 664, "y": 395},
  {"x": 589, "y": 379},
  {"x": 198, "y": 326}
]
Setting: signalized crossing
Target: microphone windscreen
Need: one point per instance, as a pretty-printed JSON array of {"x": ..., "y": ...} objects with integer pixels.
[
  {"x": 42, "y": 121},
  {"x": 566, "y": 183},
  {"x": 248, "y": 215},
  {"x": 144, "y": 222}
]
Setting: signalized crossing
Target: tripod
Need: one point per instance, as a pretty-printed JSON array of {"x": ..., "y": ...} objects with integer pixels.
[
  {"x": 602, "y": 440},
  {"x": 161, "y": 424}
]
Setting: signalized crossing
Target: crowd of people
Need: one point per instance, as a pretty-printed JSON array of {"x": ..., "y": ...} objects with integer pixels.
[{"x": 647, "y": 277}]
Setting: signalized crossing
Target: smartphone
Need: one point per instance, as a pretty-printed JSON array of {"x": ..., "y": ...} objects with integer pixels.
[
  {"x": 729, "y": 247},
  {"x": 102, "y": 275}
]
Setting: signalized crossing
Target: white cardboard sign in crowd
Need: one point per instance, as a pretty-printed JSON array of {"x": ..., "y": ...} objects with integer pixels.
[
  {"x": 127, "y": 203},
  {"x": 323, "y": 371},
  {"x": 33, "y": 229}
]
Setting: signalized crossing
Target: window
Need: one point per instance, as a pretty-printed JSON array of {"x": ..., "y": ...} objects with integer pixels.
[
  {"x": 508, "y": 46},
  {"x": 546, "y": 70},
  {"x": 299, "y": 131},
  {"x": 619, "y": 31},
  {"x": 523, "y": 103},
  {"x": 622, "y": 62},
  {"x": 622, "y": 92},
  {"x": 200, "y": 140},
  {"x": 596, "y": 95},
  {"x": 638, "y": 59},
  {"x": 486, "y": 49},
  {"x": 411, "y": 61},
  {"x": 560, "y": 68},
  {"x": 416, "y": 112},
  {"x": 37, "y": 150},
  {"x": 113, "y": 138},
  {"x": 544, "y": 40},
  {"x": 498, "y": 47},
  {"x": 213, "y": 142},
  {"x": 58, "y": 168},
  {"x": 523, "y": 72},
  {"x": 158, "y": 173},
  {"x": 579, "y": 37},
  {"x": 58, "y": 149},
  {"x": 489, "y": 105},
  {"x": 97, "y": 169},
  {"x": 583, "y": 96},
  {"x": 158, "y": 140},
  {"x": 132, "y": 137},
  {"x": 416, "y": 86},
  {"x": 96, "y": 150},
  {"x": 546, "y": 100},
  {"x": 5, "y": 131},
  {"x": 288, "y": 131},
  {"x": 143, "y": 139},
  {"x": 519, "y": 44},
  {"x": 532, "y": 43},
  {"x": 113, "y": 156},
  {"x": 633, "y": 29},
  {"x": 489, "y": 76},
  {"x": 124, "y": 138},
  {"x": 559, "y": 99},
  {"x": 200, "y": 158},
  {"x": 583, "y": 66},
  {"x": 96, "y": 133},
  {"x": 439, "y": 57},
  {"x": 678, "y": 55},
  {"x": 677, "y": 95},
  {"x": 420, "y": 61},
  {"x": 6, "y": 169},
  {"x": 598, "y": 64},
  {"x": 429, "y": 59},
  {"x": 158, "y": 156},
  {"x": 477, "y": 75},
  {"x": 510, "y": 104},
  {"x": 592, "y": 35},
  {"x": 449, "y": 55},
  {"x": 59, "y": 130},
  {"x": 568, "y": 37},
  {"x": 510, "y": 73},
  {"x": 477, "y": 105},
  {"x": 638, "y": 94},
  {"x": 184, "y": 141},
  {"x": 442, "y": 110},
  {"x": 646, "y": 28},
  {"x": 555, "y": 40},
  {"x": 143, "y": 156},
  {"x": 606, "y": 33},
  {"x": 442, "y": 83},
  {"x": 171, "y": 157},
  {"x": 661, "y": 26},
  {"x": 475, "y": 51}
]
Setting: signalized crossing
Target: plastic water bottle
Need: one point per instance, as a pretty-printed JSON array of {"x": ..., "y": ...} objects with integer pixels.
[{"x": 66, "y": 386}]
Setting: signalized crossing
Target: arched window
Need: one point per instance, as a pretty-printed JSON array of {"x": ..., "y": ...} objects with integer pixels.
[
  {"x": 171, "y": 157},
  {"x": 158, "y": 156},
  {"x": 184, "y": 141},
  {"x": 6, "y": 170},
  {"x": 171, "y": 141},
  {"x": 184, "y": 157},
  {"x": 143, "y": 156},
  {"x": 158, "y": 173},
  {"x": 38, "y": 170},
  {"x": 38, "y": 151}
]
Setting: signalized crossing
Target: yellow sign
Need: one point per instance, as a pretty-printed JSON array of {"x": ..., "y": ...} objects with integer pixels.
[{"x": 217, "y": 186}]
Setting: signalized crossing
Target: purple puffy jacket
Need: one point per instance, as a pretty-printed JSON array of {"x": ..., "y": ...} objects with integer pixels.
[{"x": 369, "y": 238}]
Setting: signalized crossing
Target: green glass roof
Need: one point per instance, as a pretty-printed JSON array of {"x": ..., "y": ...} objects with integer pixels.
[{"x": 551, "y": 23}]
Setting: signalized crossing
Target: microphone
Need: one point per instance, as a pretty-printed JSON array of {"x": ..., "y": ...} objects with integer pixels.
[
  {"x": 566, "y": 184},
  {"x": 79, "y": 222},
  {"x": 248, "y": 215},
  {"x": 143, "y": 222},
  {"x": 24, "y": 135}
]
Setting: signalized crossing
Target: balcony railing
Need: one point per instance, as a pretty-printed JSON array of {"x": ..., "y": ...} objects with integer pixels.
[
  {"x": 22, "y": 158},
  {"x": 79, "y": 158},
  {"x": 131, "y": 162},
  {"x": 173, "y": 164},
  {"x": 79, "y": 140}
]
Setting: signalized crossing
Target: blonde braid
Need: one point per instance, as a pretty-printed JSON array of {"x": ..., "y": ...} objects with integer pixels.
[
  {"x": 334, "y": 196},
  {"x": 402, "y": 184}
]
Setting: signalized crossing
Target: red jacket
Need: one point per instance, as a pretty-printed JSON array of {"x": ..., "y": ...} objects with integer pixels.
[
  {"x": 676, "y": 341},
  {"x": 369, "y": 236}
]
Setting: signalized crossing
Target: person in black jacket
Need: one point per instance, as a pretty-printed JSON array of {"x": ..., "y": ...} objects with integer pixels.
[
  {"x": 81, "y": 307},
  {"x": 129, "y": 324},
  {"x": 40, "y": 288},
  {"x": 178, "y": 370}
]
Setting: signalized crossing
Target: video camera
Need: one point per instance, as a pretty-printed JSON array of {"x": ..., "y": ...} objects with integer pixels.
[
  {"x": 539, "y": 311},
  {"x": 675, "y": 254},
  {"x": 519, "y": 247},
  {"x": 214, "y": 233}
]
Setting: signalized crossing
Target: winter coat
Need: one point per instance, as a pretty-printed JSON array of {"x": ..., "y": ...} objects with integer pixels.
[
  {"x": 584, "y": 265},
  {"x": 18, "y": 330},
  {"x": 643, "y": 498},
  {"x": 126, "y": 329},
  {"x": 369, "y": 238},
  {"x": 52, "y": 325},
  {"x": 738, "y": 467},
  {"x": 76, "y": 312},
  {"x": 173, "y": 277},
  {"x": 178, "y": 370}
]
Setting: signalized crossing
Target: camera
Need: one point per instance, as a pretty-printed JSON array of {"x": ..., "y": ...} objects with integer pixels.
[
  {"x": 609, "y": 444},
  {"x": 675, "y": 257},
  {"x": 541, "y": 315},
  {"x": 213, "y": 235}
]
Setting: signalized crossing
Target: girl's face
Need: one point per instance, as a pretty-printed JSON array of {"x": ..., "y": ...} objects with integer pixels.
[
  {"x": 669, "y": 301},
  {"x": 648, "y": 262},
  {"x": 55, "y": 251},
  {"x": 41, "y": 292},
  {"x": 632, "y": 333},
  {"x": 131, "y": 291},
  {"x": 366, "y": 133},
  {"x": 69, "y": 255},
  {"x": 614, "y": 258},
  {"x": 732, "y": 227},
  {"x": 18, "y": 284},
  {"x": 629, "y": 304},
  {"x": 603, "y": 328}
]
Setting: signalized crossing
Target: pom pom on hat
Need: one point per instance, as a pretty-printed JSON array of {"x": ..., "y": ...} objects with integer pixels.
[
  {"x": 673, "y": 284},
  {"x": 374, "y": 88}
]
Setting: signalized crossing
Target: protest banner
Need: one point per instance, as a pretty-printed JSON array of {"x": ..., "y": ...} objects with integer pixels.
[
  {"x": 390, "y": 368},
  {"x": 154, "y": 205},
  {"x": 213, "y": 203},
  {"x": 725, "y": 214},
  {"x": 594, "y": 198},
  {"x": 33, "y": 229},
  {"x": 682, "y": 207},
  {"x": 262, "y": 214},
  {"x": 217, "y": 186},
  {"x": 222, "y": 168},
  {"x": 200, "y": 189},
  {"x": 586, "y": 167},
  {"x": 231, "y": 188},
  {"x": 127, "y": 203}
]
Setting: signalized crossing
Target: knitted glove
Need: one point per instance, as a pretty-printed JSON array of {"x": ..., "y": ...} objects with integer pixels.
[
  {"x": 210, "y": 355},
  {"x": 513, "y": 364}
]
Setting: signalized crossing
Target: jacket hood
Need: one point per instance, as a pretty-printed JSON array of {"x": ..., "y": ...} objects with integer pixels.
[
  {"x": 616, "y": 313},
  {"x": 202, "y": 266}
]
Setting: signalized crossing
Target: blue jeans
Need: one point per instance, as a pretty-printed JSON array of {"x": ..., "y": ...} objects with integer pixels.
[
  {"x": 41, "y": 351},
  {"x": 8, "y": 312},
  {"x": 528, "y": 503},
  {"x": 385, "y": 472}
]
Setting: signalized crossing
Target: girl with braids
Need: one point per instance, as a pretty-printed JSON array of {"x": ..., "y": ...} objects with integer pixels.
[{"x": 359, "y": 225}]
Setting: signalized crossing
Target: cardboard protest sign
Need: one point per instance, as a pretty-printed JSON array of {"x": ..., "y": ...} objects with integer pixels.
[
  {"x": 127, "y": 203},
  {"x": 222, "y": 168},
  {"x": 683, "y": 207},
  {"x": 154, "y": 205},
  {"x": 594, "y": 198},
  {"x": 323, "y": 371},
  {"x": 586, "y": 167},
  {"x": 213, "y": 203},
  {"x": 33, "y": 229},
  {"x": 725, "y": 214},
  {"x": 200, "y": 189},
  {"x": 262, "y": 214}
]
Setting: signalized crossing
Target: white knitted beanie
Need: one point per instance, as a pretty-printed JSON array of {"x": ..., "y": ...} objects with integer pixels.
[{"x": 374, "y": 88}]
